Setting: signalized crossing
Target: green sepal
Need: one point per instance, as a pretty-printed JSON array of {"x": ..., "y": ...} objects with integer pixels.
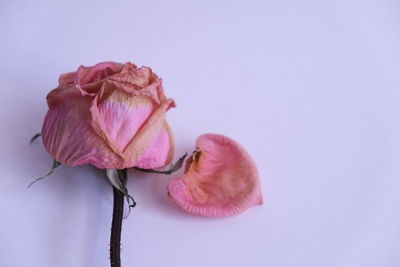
[
  {"x": 55, "y": 166},
  {"x": 36, "y": 136},
  {"x": 118, "y": 179},
  {"x": 172, "y": 168}
]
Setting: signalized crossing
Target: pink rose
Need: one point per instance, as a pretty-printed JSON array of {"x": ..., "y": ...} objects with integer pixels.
[{"x": 110, "y": 115}]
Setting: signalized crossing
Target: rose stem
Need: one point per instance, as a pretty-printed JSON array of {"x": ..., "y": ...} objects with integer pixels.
[{"x": 118, "y": 211}]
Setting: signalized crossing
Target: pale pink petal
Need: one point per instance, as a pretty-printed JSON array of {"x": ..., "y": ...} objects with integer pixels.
[
  {"x": 67, "y": 135},
  {"x": 129, "y": 126},
  {"x": 139, "y": 81},
  {"x": 159, "y": 152},
  {"x": 97, "y": 72},
  {"x": 221, "y": 179},
  {"x": 122, "y": 116},
  {"x": 148, "y": 133}
]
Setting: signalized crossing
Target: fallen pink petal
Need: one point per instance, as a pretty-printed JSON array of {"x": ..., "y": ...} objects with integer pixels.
[{"x": 220, "y": 179}]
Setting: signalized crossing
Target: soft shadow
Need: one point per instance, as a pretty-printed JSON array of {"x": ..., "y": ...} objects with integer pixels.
[
  {"x": 82, "y": 207},
  {"x": 80, "y": 192}
]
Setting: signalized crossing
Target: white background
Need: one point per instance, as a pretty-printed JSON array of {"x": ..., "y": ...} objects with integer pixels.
[{"x": 310, "y": 88}]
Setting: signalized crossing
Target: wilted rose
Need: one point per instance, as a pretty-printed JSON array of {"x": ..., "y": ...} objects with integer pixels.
[{"x": 109, "y": 115}]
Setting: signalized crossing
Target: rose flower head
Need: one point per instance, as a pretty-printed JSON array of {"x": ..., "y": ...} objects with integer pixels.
[{"x": 111, "y": 116}]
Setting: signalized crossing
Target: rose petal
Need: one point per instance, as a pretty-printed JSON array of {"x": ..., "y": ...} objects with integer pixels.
[
  {"x": 67, "y": 135},
  {"x": 132, "y": 127},
  {"x": 67, "y": 78},
  {"x": 121, "y": 117},
  {"x": 96, "y": 73},
  {"x": 139, "y": 81},
  {"x": 159, "y": 152},
  {"x": 149, "y": 133},
  {"x": 221, "y": 179}
]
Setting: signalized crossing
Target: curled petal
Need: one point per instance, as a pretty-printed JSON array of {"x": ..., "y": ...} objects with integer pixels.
[
  {"x": 96, "y": 73},
  {"x": 139, "y": 81},
  {"x": 85, "y": 75},
  {"x": 221, "y": 179},
  {"x": 67, "y": 78}
]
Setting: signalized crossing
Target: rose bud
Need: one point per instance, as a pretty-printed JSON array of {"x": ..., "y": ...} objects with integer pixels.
[
  {"x": 110, "y": 115},
  {"x": 220, "y": 179}
]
